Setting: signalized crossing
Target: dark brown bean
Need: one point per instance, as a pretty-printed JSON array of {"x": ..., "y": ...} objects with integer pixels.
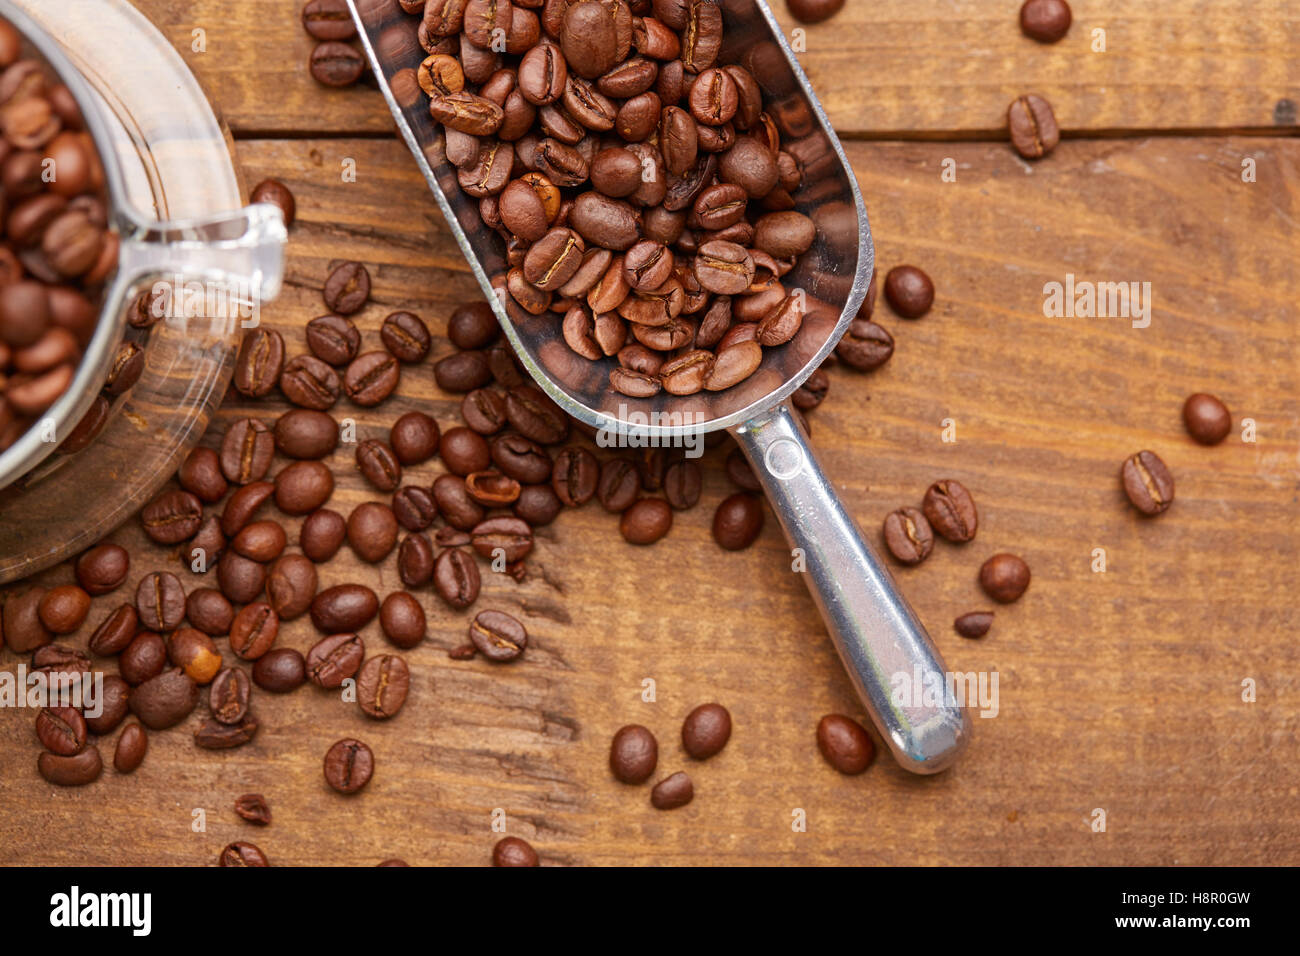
[
  {"x": 310, "y": 383},
  {"x": 131, "y": 747},
  {"x": 498, "y": 636},
  {"x": 160, "y": 601},
  {"x": 951, "y": 510},
  {"x": 75, "y": 771},
  {"x": 228, "y": 697},
  {"x": 349, "y": 764},
  {"x": 114, "y": 632},
  {"x": 344, "y": 608},
  {"x": 379, "y": 465},
  {"x": 254, "y": 630},
  {"x": 975, "y": 624},
  {"x": 402, "y": 619},
  {"x": 302, "y": 487},
  {"x": 1207, "y": 419},
  {"x": 253, "y": 808},
  {"x": 61, "y": 730},
  {"x": 63, "y": 609},
  {"x": 456, "y": 578},
  {"x": 1004, "y": 577},
  {"x": 677, "y": 790},
  {"x": 512, "y": 851},
  {"x": 291, "y": 586},
  {"x": 414, "y": 438},
  {"x": 174, "y": 516},
  {"x": 144, "y": 658},
  {"x": 738, "y": 521},
  {"x": 258, "y": 365},
  {"x": 646, "y": 521},
  {"x": 845, "y": 744},
  {"x": 323, "y": 533},
  {"x": 201, "y": 475},
  {"x": 194, "y": 652},
  {"x": 706, "y": 730},
  {"x": 165, "y": 700},
  {"x": 908, "y": 536},
  {"x": 347, "y": 288},
  {"x": 115, "y": 700},
  {"x": 633, "y": 754},
  {"x": 371, "y": 378},
  {"x": 382, "y": 686},
  {"x": 334, "y": 659},
  {"x": 214, "y": 735},
  {"x": 372, "y": 531},
  {"x": 305, "y": 433},
  {"x": 1032, "y": 125},
  {"x": 333, "y": 339},
  {"x": 280, "y": 670}
]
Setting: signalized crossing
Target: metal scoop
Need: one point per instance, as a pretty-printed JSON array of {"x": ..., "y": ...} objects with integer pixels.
[{"x": 879, "y": 638}]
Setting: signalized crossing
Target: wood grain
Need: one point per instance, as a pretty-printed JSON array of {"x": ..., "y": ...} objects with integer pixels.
[
  {"x": 883, "y": 69},
  {"x": 1118, "y": 690}
]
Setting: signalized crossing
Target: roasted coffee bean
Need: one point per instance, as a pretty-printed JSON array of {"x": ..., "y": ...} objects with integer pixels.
[
  {"x": 291, "y": 586},
  {"x": 75, "y": 771},
  {"x": 160, "y": 601},
  {"x": 277, "y": 194},
  {"x": 128, "y": 365},
  {"x": 61, "y": 730},
  {"x": 463, "y": 451},
  {"x": 246, "y": 451},
  {"x": 144, "y": 658},
  {"x": 512, "y": 851},
  {"x": 740, "y": 472},
  {"x": 1207, "y": 419},
  {"x": 194, "y": 652},
  {"x": 372, "y": 531},
  {"x": 242, "y": 854},
  {"x": 131, "y": 747},
  {"x": 406, "y": 336},
  {"x": 207, "y": 545},
  {"x": 1004, "y": 577},
  {"x": 865, "y": 346},
  {"x": 1033, "y": 128},
  {"x": 414, "y": 507},
  {"x": 619, "y": 485},
  {"x": 751, "y": 165},
  {"x": 463, "y": 652},
  {"x": 472, "y": 326},
  {"x": 63, "y": 609},
  {"x": 311, "y": 383},
  {"x": 334, "y": 659},
  {"x": 651, "y": 466},
  {"x": 260, "y": 360},
  {"x": 505, "y": 536},
  {"x": 165, "y": 700},
  {"x": 328, "y": 20},
  {"x": 646, "y": 521},
  {"x": 336, "y": 64},
  {"x": 415, "y": 560},
  {"x": 909, "y": 291},
  {"x": 974, "y": 624},
  {"x": 462, "y": 372},
  {"x": 371, "y": 378},
  {"x": 228, "y": 697},
  {"x": 254, "y": 630},
  {"x": 241, "y": 579},
  {"x": 633, "y": 754},
  {"x": 253, "y": 808},
  {"x": 305, "y": 433},
  {"x": 550, "y": 263},
  {"x": 677, "y": 790},
  {"x": 733, "y": 365},
  {"x": 58, "y": 659},
  {"x": 521, "y": 459},
  {"x": 114, "y": 632},
  {"x": 174, "y": 516},
  {"x": 414, "y": 438},
  {"x": 243, "y": 504},
  {"x": 302, "y": 487},
  {"x": 382, "y": 686},
  {"x": 402, "y": 619},
  {"x": 280, "y": 670},
  {"x": 209, "y": 611},
  {"x": 214, "y": 735},
  {"x": 575, "y": 475},
  {"x": 455, "y": 503},
  {"x": 114, "y": 702},
  {"x": 492, "y": 489},
  {"x": 706, "y": 730},
  {"x": 344, "y": 608},
  {"x": 812, "y": 392},
  {"x": 1045, "y": 20},
  {"x": 737, "y": 521},
  {"x": 456, "y": 578},
  {"x": 845, "y": 744},
  {"x": 908, "y": 536},
  {"x": 201, "y": 475},
  {"x": 951, "y": 510},
  {"x": 262, "y": 541},
  {"x": 322, "y": 534},
  {"x": 349, "y": 765},
  {"x": 535, "y": 416},
  {"x": 333, "y": 339},
  {"x": 683, "y": 481},
  {"x": 814, "y": 11},
  {"x": 498, "y": 636},
  {"x": 538, "y": 505},
  {"x": 379, "y": 465}
]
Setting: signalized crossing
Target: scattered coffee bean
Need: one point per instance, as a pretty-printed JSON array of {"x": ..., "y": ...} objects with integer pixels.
[
  {"x": 456, "y": 578},
  {"x": 372, "y": 531},
  {"x": 333, "y": 339},
  {"x": 378, "y": 465},
  {"x": 160, "y": 601},
  {"x": 908, "y": 536},
  {"x": 344, "y": 608},
  {"x": 302, "y": 487},
  {"x": 349, "y": 765},
  {"x": 336, "y": 64},
  {"x": 291, "y": 585},
  {"x": 165, "y": 700},
  {"x": 865, "y": 346},
  {"x": 214, "y": 735},
  {"x": 1045, "y": 20},
  {"x": 61, "y": 730},
  {"x": 115, "y": 705},
  {"x": 738, "y": 521},
  {"x": 406, "y": 336},
  {"x": 334, "y": 659},
  {"x": 1148, "y": 483},
  {"x": 646, "y": 521},
  {"x": 347, "y": 288},
  {"x": 845, "y": 744},
  {"x": 63, "y": 609},
  {"x": 254, "y": 630},
  {"x": 415, "y": 560},
  {"x": 328, "y": 20},
  {"x": 103, "y": 568},
  {"x": 1004, "y": 577},
  {"x": 278, "y": 195},
  {"x": 382, "y": 686},
  {"x": 323, "y": 533},
  {"x": 228, "y": 697},
  {"x": 144, "y": 658},
  {"x": 371, "y": 377},
  {"x": 260, "y": 360},
  {"x": 414, "y": 438},
  {"x": 115, "y": 631},
  {"x": 305, "y": 433},
  {"x": 280, "y": 670},
  {"x": 633, "y": 754},
  {"x": 814, "y": 11},
  {"x": 706, "y": 730},
  {"x": 512, "y": 851},
  {"x": 194, "y": 652},
  {"x": 672, "y": 792},
  {"x": 1207, "y": 419},
  {"x": 909, "y": 291},
  {"x": 253, "y": 808},
  {"x": 262, "y": 541},
  {"x": 1033, "y": 128},
  {"x": 974, "y": 624},
  {"x": 75, "y": 771},
  {"x": 242, "y": 854},
  {"x": 131, "y": 747},
  {"x": 498, "y": 636},
  {"x": 402, "y": 619},
  {"x": 950, "y": 509},
  {"x": 174, "y": 516},
  {"x": 473, "y": 326}
]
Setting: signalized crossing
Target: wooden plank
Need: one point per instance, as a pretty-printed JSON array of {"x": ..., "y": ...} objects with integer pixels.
[
  {"x": 1118, "y": 690},
  {"x": 884, "y": 69}
]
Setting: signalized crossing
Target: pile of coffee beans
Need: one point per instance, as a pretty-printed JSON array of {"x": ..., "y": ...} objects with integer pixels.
[
  {"x": 634, "y": 754},
  {"x": 56, "y": 250}
]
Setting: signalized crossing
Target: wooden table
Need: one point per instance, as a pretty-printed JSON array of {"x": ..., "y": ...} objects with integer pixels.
[{"x": 1119, "y": 690}]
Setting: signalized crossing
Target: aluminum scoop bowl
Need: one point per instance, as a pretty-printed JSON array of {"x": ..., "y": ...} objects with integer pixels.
[{"x": 878, "y": 636}]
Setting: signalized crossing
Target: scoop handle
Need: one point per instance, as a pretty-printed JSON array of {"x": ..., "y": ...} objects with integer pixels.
[{"x": 884, "y": 646}]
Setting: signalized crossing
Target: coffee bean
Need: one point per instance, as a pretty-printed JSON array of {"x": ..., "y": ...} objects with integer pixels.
[
  {"x": 214, "y": 735},
  {"x": 415, "y": 561},
  {"x": 1148, "y": 483},
  {"x": 455, "y": 503},
  {"x": 277, "y": 194},
  {"x": 165, "y": 700},
  {"x": 1004, "y": 577},
  {"x": 209, "y": 611},
  {"x": 1207, "y": 419},
  {"x": 504, "y": 536},
  {"x": 865, "y": 346},
  {"x": 207, "y": 545},
  {"x": 344, "y": 608},
  {"x": 633, "y": 754},
  {"x": 228, "y": 697},
  {"x": 160, "y": 601},
  {"x": 131, "y": 747},
  {"x": 201, "y": 475},
  {"x": 538, "y": 505},
  {"x": 512, "y": 851},
  {"x": 456, "y": 578},
  {"x": 305, "y": 433},
  {"x": 61, "y": 730},
  {"x": 349, "y": 765},
  {"x": 812, "y": 392},
  {"x": 74, "y": 771},
  {"x": 951, "y": 511},
  {"x": 328, "y": 20},
  {"x": 144, "y": 658},
  {"x": 310, "y": 383},
  {"x": 372, "y": 531},
  {"x": 462, "y": 372},
  {"x": 535, "y": 416},
  {"x": 402, "y": 619},
  {"x": 522, "y": 459},
  {"x": 814, "y": 11},
  {"x": 974, "y": 624},
  {"x": 262, "y": 541},
  {"x": 414, "y": 438},
  {"x": 738, "y": 521},
  {"x": 115, "y": 632},
  {"x": 672, "y": 792},
  {"x": 63, "y": 609},
  {"x": 498, "y": 636},
  {"x": 414, "y": 507},
  {"x": 115, "y": 702},
  {"x": 484, "y": 411},
  {"x": 241, "y": 579},
  {"x": 243, "y": 854},
  {"x": 492, "y": 489},
  {"x": 646, "y": 521},
  {"x": 406, "y": 336},
  {"x": 382, "y": 686},
  {"x": 1045, "y": 20},
  {"x": 334, "y": 659},
  {"x": 280, "y": 670},
  {"x": 1032, "y": 125},
  {"x": 574, "y": 476},
  {"x": 54, "y": 660},
  {"x": 302, "y": 487},
  {"x": 103, "y": 568},
  {"x": 322, "y": 534},
  {"x": 473, "y": 325},
  {"x": 909, "y": 291},
  {"x": 260, "y": 360},
  {"x": 174, "y": 516},
  {"x": 333, "y": 339},
  {"x": 706, "y": 730},
  {"x": 371, "y": 378},
  {"x": 908, "y": 536},
  {"x": 254, "y": 630},
  {"x": 336, "y": 64},
  {"x": 243, "y": 504},
  {"x": 253, "y": 808},
  {"x": 845, "y": 744},
  {"x": 378, "y": 464},
  {"x": 683, "y": 481},
  {"x": 194, "y": 652}
]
